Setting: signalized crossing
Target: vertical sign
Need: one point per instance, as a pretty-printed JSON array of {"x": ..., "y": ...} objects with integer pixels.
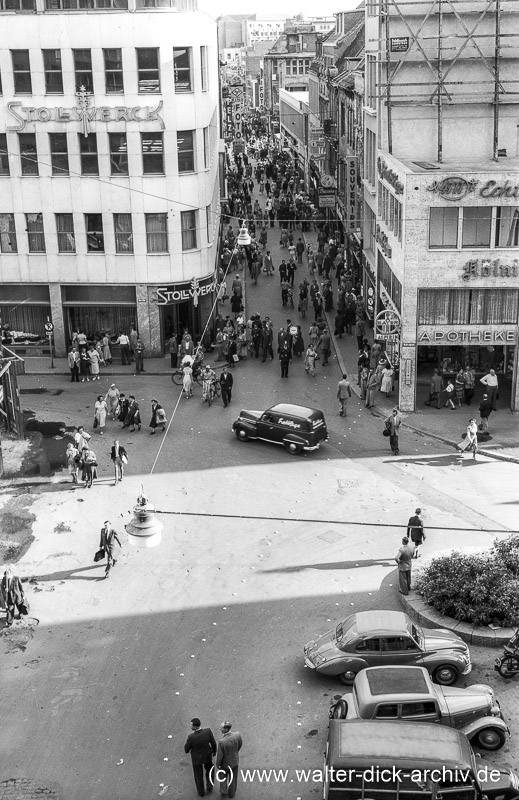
[{"x": 351, "y": 193}]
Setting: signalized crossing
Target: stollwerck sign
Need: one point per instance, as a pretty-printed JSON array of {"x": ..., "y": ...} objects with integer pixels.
[
  {"x": 84, "y": 113},
  {"x": 180, "y": 292}
]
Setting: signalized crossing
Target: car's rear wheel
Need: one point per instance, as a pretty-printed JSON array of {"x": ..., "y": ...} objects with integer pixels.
[
  {"x": 489, "y": 739},
  {"x": 293, "y": 448},
  {"x": 348, "y": 677},
  {"x": 445, "y": 675},
  {"x": 241, "y": 434}
]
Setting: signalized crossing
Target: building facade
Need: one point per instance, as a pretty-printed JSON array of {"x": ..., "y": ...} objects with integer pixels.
[
  {"x": 287, "y": 63},
  {"x": 109, "y": 207}
]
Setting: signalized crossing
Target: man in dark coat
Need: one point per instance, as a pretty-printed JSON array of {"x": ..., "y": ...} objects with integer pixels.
[
  {"x": 107, "y": 542},
  {"x": 228, "y": 759},
  {"x": 485, "y": 410},
  {"x": 416, "y": 532},
  {"x": 202, "y": 746},
  {"x": 403, "y": 559},
  {"x": 226, "y": 382},
  {"x": 11, "y": 594},
  {"x": 266, "y": 342}
]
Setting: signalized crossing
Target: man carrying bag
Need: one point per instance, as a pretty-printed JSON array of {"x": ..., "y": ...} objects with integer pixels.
[
  {"x": 12, "y": 596},
  {"x": 106, "y": 546}
]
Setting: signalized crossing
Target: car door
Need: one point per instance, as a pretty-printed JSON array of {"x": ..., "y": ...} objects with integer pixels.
[
  {"x": 266, "y": 426},
  {"x": 399, "y": 650},
  {"x": 369, "y": 649}
]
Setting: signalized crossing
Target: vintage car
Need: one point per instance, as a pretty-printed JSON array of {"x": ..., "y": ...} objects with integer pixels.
[
  {"x": 381, "y": 638},
  {"x": 407, "y": 694},
  {"x": 298, "y": 428}
]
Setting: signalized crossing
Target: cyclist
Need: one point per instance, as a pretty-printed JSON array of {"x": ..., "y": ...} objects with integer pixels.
[{"x": 208, "y": 378}]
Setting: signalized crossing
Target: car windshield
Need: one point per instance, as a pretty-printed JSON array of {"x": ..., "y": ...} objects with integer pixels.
[
  {"x": 346, "y": 631},
  {"x": 417, "y": 635}
]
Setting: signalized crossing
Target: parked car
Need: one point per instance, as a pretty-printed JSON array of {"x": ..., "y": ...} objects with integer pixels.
[
  {"x": 381, "y": 638},
  {"x": 407, "y": 694},
  {"x": 298, "y": 428}
]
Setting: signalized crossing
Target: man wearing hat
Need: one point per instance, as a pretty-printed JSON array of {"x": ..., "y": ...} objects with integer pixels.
[
  {"x": 226, "y": 382},
  {"x": 202, "y": 746},
  {"x": 228, "y": 759},
  {"x": 403, "y": 558},
  {"x": 393, "y": 423},
  {"x": 416, "y": 532},
  {"x": 485, "y": 410}
]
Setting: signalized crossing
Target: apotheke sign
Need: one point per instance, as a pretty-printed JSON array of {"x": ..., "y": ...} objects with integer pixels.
[
  {"x": 455, "y": 188},
  {"x": 468, "y": 336}
]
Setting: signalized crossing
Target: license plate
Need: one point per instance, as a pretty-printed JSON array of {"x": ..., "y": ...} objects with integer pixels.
[{"x": 497, "y": 663}]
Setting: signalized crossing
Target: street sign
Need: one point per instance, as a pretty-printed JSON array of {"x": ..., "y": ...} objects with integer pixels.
[{"x": 49, "y": 327}]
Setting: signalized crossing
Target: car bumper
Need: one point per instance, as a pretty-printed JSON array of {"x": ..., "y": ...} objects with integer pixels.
[
  {"x": 309, "y": 664},
  {"x": 467, "y": 670}
]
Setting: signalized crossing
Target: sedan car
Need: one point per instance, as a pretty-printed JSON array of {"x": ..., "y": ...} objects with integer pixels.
[
  {"x": 407, "y": 694},
  {"x": 381, "y": 638},
  {"x": 298, "y": 428}
]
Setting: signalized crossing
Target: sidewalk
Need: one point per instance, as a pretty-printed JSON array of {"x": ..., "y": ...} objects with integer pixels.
[{"x": 40, "y": 365}]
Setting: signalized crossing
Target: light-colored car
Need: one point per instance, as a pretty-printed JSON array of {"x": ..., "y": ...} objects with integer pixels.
[
  {"x": 382, "y": 638},
  {"x": 407, "y": 694}
]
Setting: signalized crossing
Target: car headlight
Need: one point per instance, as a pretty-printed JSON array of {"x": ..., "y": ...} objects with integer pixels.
[{"x": 495, "y": 710}]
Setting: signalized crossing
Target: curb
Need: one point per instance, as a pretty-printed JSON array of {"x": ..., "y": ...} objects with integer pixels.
[{"x": 425, "y": 614}]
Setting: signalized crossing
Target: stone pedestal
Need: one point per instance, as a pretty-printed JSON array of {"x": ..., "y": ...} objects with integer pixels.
[
  {"x": 56, "y": 310},
  {"x": 148, "y": 321},
  {"x": 407, "y": 379}
]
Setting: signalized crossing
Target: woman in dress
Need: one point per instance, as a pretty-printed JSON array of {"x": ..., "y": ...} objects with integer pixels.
[
  {"x": 133, "y": 417},
  {"x": 107, "y": 353},
  {"x": 123, "y": 407},
  {"x": 93, "y": 357},
  {"x": 187, "y": 380},
  {"x": 84, "y": 365},
  {"x": 298, "y": 346},
  {"x": 158, "y": 417},
  {"x": 459, "y": 387},
  {"x": 112, "y": 400},
  {"x": 72, "y": 456},
  {"x": 387, "y": 379},
  {"x": 89, "y": 462},
  {"x": 471, "y": 439},
  {"x": 101, "y": 410}
]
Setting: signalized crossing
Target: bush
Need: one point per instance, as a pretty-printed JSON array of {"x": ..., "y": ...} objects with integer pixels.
[{"x": 480, "y": 588}]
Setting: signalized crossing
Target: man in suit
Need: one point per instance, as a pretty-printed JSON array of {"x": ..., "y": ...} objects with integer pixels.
[
  {"x": 226, "y": 382},
  {"x": 228, "y": 759},
  {"x": 202, "y": 746},
  {"x": 403, "y": 558},
  {"x": 107, "y": 542},
  {"x": 11, "y": 594}
]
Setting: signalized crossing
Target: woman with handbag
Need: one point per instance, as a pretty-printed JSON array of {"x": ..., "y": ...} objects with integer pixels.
[
  {"x": 73, "y": 459},
  {"x": 12, "y": 596},
  {"x": 119, "y": 458},
  {"x": 89, "y": 462},
  {"x": 470, "y": 442},
  {"x": 100, "y": 413}
]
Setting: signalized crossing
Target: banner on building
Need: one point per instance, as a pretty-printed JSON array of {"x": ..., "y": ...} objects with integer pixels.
[{"x": 352, "y": 222}]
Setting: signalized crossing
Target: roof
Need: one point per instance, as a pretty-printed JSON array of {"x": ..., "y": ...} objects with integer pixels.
[
  {"x": 394, "y": 680},
  {"x": 386, "y": 621},
  {"x": 297, "y": 411},
  {"x": 281, "y": 44}
]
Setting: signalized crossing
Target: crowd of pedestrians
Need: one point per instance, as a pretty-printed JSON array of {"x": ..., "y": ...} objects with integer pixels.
[{"x": 85, "y": 358}]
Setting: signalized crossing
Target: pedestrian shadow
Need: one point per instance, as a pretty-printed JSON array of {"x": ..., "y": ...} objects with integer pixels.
[
  {"x": 331, "y": 565},
  {"x": 44, "y": 487},
  {"x": 446, "y": 460},
  {"x": 65, "y": 575}
]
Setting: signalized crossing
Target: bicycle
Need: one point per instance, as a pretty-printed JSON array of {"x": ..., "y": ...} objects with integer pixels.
[
  {"x": 508, "y": 664},
  {"x": 178, "y": 376},
  {"x": 214, "y": 391}
]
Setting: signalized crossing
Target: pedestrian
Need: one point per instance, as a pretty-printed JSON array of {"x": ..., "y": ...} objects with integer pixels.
[
  {"x": 202, "y": 746},
  {"x": 450, "y": 393},
  {"x": 310, "y": 359},
  {"x": 119, "y": 458},
  {"x": 89, "y": 464},
  {"x": 226, "y": 384},
  {"x": 490, "y": 381},
  {"x": 133, "y": 415},
  {"x": 360, "y": 330},
  {"x": 112, "y": 400},
  {"x": 173, "y": 351},
  {"x": 325, "y": 346},
  {"x": 386, "y": 384},
  {"x": 100, "y": 411},
  {"x": 158, "y": 417},
  {"x": 105, "y": 344},
  {"x": 403, "y": 558},
  {"x": 469, "y": 381},
  {"x": 470, "y": 442},
  {"x": 73, "y": 363},
  {"x": 343, "y": 393},
  {"x": 123, "y": 407},
  {"x": 81, "y": 438},
  {"x": 393, "y": 423},
  {"x": 124, "y": 343},
  {"x": 268, "y": 264},
  {"x": 228, "y": 759},
  {"x": 107, "y": 543},
  {"x": 133, "y": 337},
  {"x": 73, "y": 459},
  {"x": 415, "y": 531},
  {"x": 372, "y": 387},
  {"x": 84, "y": 365},
  {"x": 267, "y": 339},
  {"x": 459, "y": 387},
  {"x": 298, "y": 345},
  {"x": 485, "y": 410},
  {"x": 285, "y": 357},
  {"x": 139, "y": 356},
  {"x": 12, "y": 595},
  {"x": 300, "y": 249},
  {"x": 94, "y": 359},
  {"x": 435, "y": 390}
]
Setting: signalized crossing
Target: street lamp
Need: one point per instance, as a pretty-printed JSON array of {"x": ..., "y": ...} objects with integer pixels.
[
  {"x": 243, "y": 239},
  {"x": 144, "y": 530}
]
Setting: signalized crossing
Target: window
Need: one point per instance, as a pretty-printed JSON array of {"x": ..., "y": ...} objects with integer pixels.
[
  {"x": 88, "y": 152},
  {"x": 156, "y": 233},
  {"x": 370, "y": 158},
  {"x": 100, "y": 5},
  {"x": 188, "y": 226},
  {"x": 35, "y": 235},
  {"x": 148, "y": 70},
  {"x": 4, "y": 155},
  {"x": 8, "y": 243},
  {"x": 83, "y": 70},
  {"x": 53, "y": 74},
  {"x": 371, "y": 82},
  {"x": 387, "y": 711},
  {"x": 443, "y": 227},
  {"x": 468, "y": 306},
  {"x": 301, "y": 67},
  {"x": 59, "y": 153},
  {"x": 123, "y": 233},
  {"x": 186, "y": 154},
  {"x": 65, "y": 231},
  {"x": 203, "y": 68},
  {"x": 152, "y": 153},
  {"x": 28, "y": 153},
  {"x": 113, "y": 71},
  {"x": 182, "y": 69},
  {"x": 426, "y": 708},
  {"x": 94, "y": 233},
  {"x": 21, "y": 72},
  {"x": 17, "y": 5},
  {"x": 206, "y": 148},
  {"x": 476, "y": 227},
  {"x": 369, "y": 645},
  {"x": 507, "y": 226},
  {"x": 118, "y": 154}
]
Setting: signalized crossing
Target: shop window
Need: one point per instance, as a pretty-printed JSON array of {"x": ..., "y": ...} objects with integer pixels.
[
  {"x": 507, "y": 226},
  {"x": 94, "y": 233},
  {"x": 88, "y": 153},
  {"x": 114, "y": 80},
  {"x": 468, "y": 306},
  {"x": 182, "y": 69},
  {"x": 21, "y": 72},
  {"x": 8, "y": 243},
  {"x": 186, "y": 153},
  {"x": 65, "y": 231},
  {"x": 35, "y": 234},
  {"x": 100, "y": 5},
  {"x": 118, "y": 154},
  {"x": 53, "y": 73},
  {"x": 4, "y": 155},
  {"x": 123, "y": 233},
  {"x": 83, "y": 70},
  {"x": 148, "y": 70},
  {"x": 443, "y": 227},
  {"x": 17, "y": 5},
  {"x": 156, "y": 233},
  {"x": 188, "y": 226},
  {"x": 203, "y": 68},
  {"x": 152, "y": 145},
  {"x": 28, "y": 153},
  {"x": 476, "y": 226},
  {"x": 59, "y": 153}
]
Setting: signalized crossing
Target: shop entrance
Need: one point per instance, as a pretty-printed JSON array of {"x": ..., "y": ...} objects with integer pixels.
[{"x": 178, "y": 318}]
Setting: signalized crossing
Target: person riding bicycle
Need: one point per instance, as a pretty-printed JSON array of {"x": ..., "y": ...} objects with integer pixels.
[{"x": 208, "y": 378}]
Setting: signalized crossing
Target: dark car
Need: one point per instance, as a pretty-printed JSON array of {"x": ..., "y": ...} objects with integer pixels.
[{"x": 298, "y": 428}]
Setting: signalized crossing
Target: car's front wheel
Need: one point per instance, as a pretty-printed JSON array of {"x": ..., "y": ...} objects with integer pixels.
[
  {"x": 347, "y": 677},
  {"x": 339, "y": 710},
  {"x": 241, "y": 434},
  {"x": 293, "y": 448},
  {"x": 489, "y": 739},
  {"x": 445, "y": 675}
]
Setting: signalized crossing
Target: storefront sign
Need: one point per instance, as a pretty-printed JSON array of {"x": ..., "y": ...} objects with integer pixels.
[
  {"x": 406, "y": 371},
  {"x": 485, "y": 268},
  {"x": 351, "y": 193},
  {"x": 84, "y": 113},
  {"x": 327, "y": 197},
  {"x": 399, "y": 44},
  {"x": 468, "y": 336},
  {"x": 456, "y": 188},
  {"x": 180, "y": 292},
  {"x": 390, "y": 176},
  {"x": 387, "y": 325}
]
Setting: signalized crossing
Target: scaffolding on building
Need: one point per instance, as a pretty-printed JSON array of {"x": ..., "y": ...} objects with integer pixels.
[{"x": 445, "y": 35}]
